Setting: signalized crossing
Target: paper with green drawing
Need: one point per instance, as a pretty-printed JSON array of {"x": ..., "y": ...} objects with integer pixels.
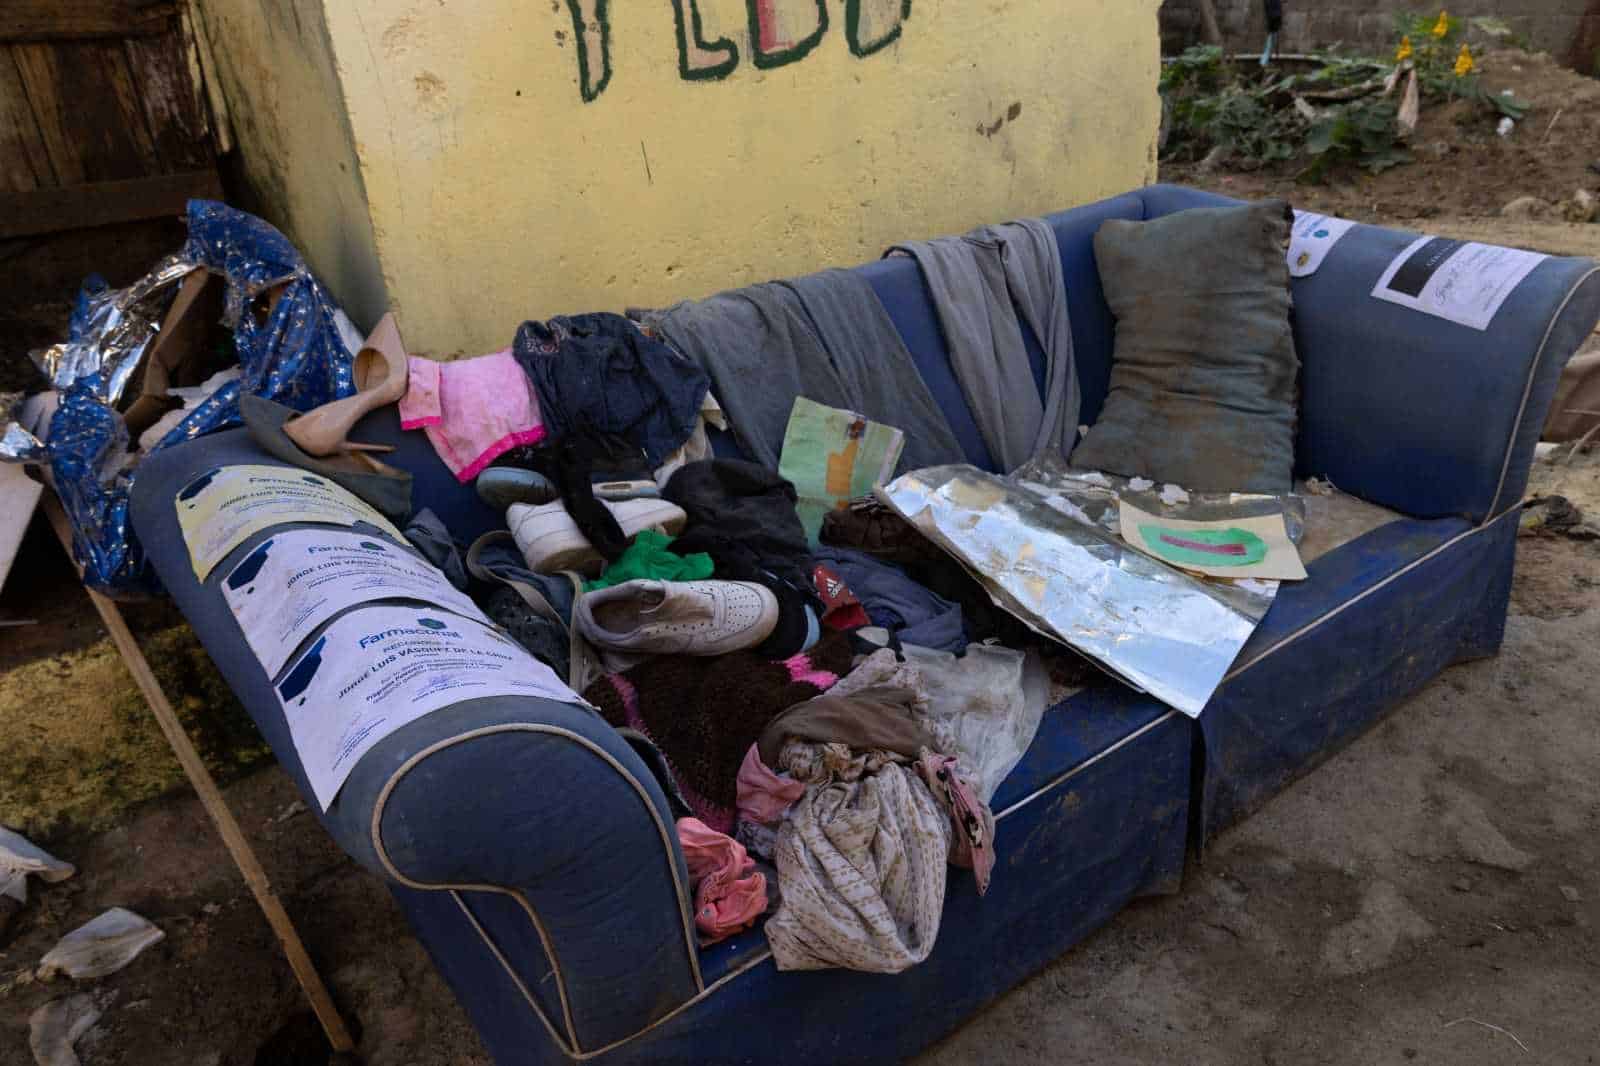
[{"x": 1256, "y": 547}]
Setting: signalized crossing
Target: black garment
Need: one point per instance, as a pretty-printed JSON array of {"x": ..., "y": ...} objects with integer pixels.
[
  {"x": 544, "y": 638},
  {"x": 573, "y": 462},
  {"x": 599, "y": 372},
  {"x": 1274, "y": 15},
  {"x": 743, "y": 516},
  {"x": 427, "y": 534}
]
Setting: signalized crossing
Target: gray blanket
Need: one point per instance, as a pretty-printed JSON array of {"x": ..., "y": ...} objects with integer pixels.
[
  {"x": 978, "y": 280},
  {"x": 826, "y": 337}
]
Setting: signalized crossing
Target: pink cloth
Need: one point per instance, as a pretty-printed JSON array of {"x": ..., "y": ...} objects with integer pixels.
[
  {"x": 763, "y": 795},
  {"x": 473, "y": 410},
  {"x": 971, "y": 822},
  {"x": 728, "y": 893}
]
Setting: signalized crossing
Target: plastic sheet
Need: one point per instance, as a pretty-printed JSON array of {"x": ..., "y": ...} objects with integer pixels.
[
  {"x": 290, "y": 350},
  {"x": 20, "y": 857},
  {"x": 100, "y": 946},
  {"x": 984, "y": 707},
  {"x": 54, "y": 1027},
  {"x": 1159, "y": 629}
]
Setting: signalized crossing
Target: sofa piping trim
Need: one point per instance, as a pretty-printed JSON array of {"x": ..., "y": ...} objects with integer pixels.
[
  {"x": 1078, "y": 769},
  {"x": 1527, "y": 388},
  {"x": 505, "y": 965},
  {"x": 544, "y": 937},
  {"x": 1316, "y": 622},
  {"x": 766, "y": 953}
]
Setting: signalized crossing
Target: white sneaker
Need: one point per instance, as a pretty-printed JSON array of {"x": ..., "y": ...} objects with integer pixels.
[
  {"x": 550, "y": 540},
  {"x": 678, "y": 617}
]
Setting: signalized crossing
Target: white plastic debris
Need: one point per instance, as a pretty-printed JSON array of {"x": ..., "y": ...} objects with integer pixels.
[
  {"x": 56, "y": 1026},
  {"x": 1172, "y": 495},
  {"x": 20, "y": 857},
  {"x": 191, "y": 397},
  {"x": 99, "y": 947},
  {"x": 1545, "y": 451},
  {"x": 1140, "y": 484},
  {"x": 1068, "y": 508},
  {"x": 1507, "y": 124}
]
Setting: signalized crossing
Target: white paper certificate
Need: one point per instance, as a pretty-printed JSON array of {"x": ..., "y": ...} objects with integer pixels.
[
  {"x": 298, "y": 579},
  {"x": 224, "y": 505},
  {"x": 1312, "y": 237},
  {"x": 1461, "y": 281},
  {"x": 376, "y": 669}
]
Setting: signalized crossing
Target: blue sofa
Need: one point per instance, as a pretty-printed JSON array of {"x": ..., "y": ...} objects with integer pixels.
[{"x": 534, "y": 855}]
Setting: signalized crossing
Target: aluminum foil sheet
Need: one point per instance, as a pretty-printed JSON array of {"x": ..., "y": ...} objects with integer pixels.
[
  {"x": 1162, "y": 631},
  {"x": 110, "y": 331},
  {"x": 1093, "y": 497}
]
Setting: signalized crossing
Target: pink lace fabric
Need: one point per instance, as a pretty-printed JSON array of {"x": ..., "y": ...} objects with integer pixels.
[{"x": 473, "y": 410}]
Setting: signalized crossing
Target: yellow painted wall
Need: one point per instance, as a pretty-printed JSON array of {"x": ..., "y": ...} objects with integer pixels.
[
  {"x": 275, "y": 64},
  {"x": 502, "y": 186}
]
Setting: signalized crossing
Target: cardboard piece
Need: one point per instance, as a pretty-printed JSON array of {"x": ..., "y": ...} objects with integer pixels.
[
  {"x": 177, "y": 356},
  {"x": 1257, "y": 547},
  {"x": 19, "y": 495}
]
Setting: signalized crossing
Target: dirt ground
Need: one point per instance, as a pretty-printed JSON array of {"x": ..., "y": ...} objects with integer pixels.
[{"x": 1430, "y": 895}]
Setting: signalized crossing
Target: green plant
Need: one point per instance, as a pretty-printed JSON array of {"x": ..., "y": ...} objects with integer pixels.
[
  {"x": 1361, "y": 132},
  {"x": 1344, "y": 110}
]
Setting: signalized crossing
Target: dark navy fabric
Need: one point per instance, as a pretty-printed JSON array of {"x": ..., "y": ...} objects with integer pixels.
[
  {"x": 1283, "y": 714},
  {"x": 1096, "y": 812},
  {"x": 1407, "y": 409}
]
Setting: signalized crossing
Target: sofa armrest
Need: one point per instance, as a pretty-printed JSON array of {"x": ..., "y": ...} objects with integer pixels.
[
  {"x": 533, "y": 815},
  {"x": 1412, "y": 411},
  {"x": 550, "y": 833}
]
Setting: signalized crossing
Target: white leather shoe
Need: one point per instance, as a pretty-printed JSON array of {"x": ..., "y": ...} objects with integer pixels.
[
  {"x": 678, "y": 617},
  {"x": 550, "y": 541}
]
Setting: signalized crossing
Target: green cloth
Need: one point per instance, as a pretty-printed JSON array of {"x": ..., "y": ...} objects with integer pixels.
[{"x": 647, "y": 559}]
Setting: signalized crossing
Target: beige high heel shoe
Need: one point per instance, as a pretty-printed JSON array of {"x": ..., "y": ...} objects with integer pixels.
[{"x": 381, "y": 371}]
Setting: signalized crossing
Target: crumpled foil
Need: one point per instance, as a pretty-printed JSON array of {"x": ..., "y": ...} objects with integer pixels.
[
  {"x": 289, "y": 347},
  {"x": 17, "y": 445},
  {"x": 1161, "y": 630},
  {"x": 110, "y": 331}
]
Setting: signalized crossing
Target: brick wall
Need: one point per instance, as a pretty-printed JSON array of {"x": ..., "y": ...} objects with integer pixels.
[{"x": 1568, "y": 29}]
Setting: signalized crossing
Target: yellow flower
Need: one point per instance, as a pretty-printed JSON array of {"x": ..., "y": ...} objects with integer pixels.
[
  {"x": 1405, "y": 51},
  {"x": 1464, "y": 63},
  {"x": 1441, "y": 27}
]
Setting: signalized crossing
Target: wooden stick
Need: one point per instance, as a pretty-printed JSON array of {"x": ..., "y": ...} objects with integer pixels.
[
  {"x": 244, "y": 857},
  {"x": 1208, "y": 22}
]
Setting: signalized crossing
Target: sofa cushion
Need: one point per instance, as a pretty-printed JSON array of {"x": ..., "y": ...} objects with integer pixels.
[{"x": 1203, "y": 377}]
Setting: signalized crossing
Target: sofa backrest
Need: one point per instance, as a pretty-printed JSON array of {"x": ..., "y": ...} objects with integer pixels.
[{"x": 1402, "y": 408}]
